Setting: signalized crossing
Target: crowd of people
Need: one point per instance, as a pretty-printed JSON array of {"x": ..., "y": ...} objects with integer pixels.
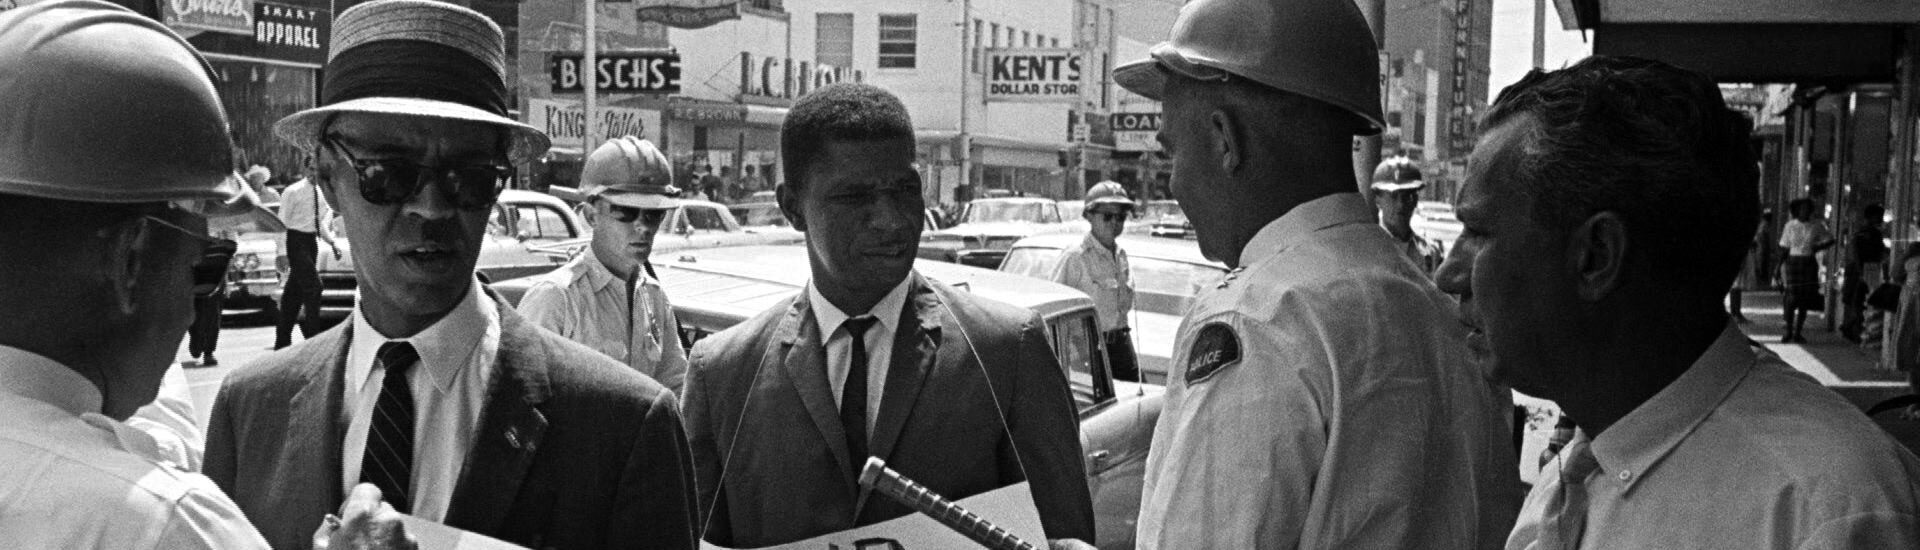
[{"x": 1336, "y": 390}]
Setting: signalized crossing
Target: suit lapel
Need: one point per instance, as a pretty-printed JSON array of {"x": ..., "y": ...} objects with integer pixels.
[
  {"x": 915, "y": 346},
  {"x": 805, "y": 364},
  {"x": 307, "y": 439},
  {"x": 511, "y": 427}
]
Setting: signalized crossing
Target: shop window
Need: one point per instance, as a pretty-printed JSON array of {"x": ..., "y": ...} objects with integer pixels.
[
  {"x": 1056, "y": 41},
  {"x": 995, "y": 37},
  {"x": 1026, "y": 39},
  {"x": 899, "y": 41},
  {"x": 834, "y": 42}
]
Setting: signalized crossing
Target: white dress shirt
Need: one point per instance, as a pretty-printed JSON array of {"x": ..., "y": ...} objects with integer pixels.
[
  {"x": 171, "y": 421},
  {"x": 1740, "y": 452},
  {"x": 77, "y": 479},
  {"x": 449, "y": 388},
  {"x": 588, "y": 304},
  {"x": 1324, "y": 399},
  {"x": 1103, "y": 275},
  {"x": 879, "y": 340},
  {"x": 303, "y": 208}
]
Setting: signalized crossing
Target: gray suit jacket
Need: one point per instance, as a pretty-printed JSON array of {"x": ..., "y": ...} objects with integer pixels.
[
  {"x": 760, "y": 389},
  {"x": 574, "y": 450}
]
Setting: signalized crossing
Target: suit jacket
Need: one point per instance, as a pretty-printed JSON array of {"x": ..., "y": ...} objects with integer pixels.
[
  {"x": 574, "y": 450},
  {"x": 760, "y": 389}
]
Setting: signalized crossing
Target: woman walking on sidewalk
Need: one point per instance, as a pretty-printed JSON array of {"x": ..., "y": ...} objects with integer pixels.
[{"x": 1800, "y": 271}]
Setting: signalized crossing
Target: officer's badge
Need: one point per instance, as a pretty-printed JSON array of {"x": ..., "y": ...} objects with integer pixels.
[{"x": 1216, "y": 347}]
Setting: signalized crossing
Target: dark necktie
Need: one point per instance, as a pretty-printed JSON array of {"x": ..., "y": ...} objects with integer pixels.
[
  {"x": 388, "y": 463},
  {"x": 1565, "y": 518},
  {"x": 853, "y": 399}
]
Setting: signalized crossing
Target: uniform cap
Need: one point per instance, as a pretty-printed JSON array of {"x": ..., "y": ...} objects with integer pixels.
[
  {"x": 418, "y": 58},
  {"x": 1321, "y": 49},
  {"x": 1396, "y": 174},
  {"x": 631, "y": 172},
  {"x": 105, "y": 105},
  {"x": 1109, "y": 193}
]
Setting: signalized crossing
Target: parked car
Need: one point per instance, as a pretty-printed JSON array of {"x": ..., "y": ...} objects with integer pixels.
[
  {"x": 258, "y": 268},
  {"x": 988, "y": 227},
  {"x": 717, "y": 288},
  {"x": 1164, "y": 218},
  {"x": 759, "y": 214},
  {"x": 1435, "y": 221},
  {"x": 522, "y": 225},
  {"x": 1166, "y": 275},
  {"x": 695, "y": 224}
]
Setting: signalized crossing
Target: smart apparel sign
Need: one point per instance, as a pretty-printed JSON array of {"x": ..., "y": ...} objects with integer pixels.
[{"x": 1037, "y": 75}]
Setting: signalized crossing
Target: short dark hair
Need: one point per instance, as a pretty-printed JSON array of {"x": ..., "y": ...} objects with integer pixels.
[
  {"x": 842, "y": 112},
  {"x": 1648, "y": 141}
]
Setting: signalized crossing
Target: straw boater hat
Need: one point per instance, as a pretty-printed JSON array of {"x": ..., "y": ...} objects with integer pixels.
[{"x": 415, "y": 58}]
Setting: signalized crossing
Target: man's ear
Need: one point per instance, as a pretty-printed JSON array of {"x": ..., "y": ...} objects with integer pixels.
[
  {"x": 129, "y": 245},
  {"x": 1597, "y": 250},
  {"x": 1226, "y": 136},
  {"x": 788, "y": 197}
]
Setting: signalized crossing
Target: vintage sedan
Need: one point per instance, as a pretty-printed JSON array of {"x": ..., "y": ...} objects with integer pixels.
[
  {"x": 258, "y": 268},
  {"x": 523, "y": 223},
  {"x": 1164, "y": 218},
  {"x": 1166, "y": 275},
  {"x": 716, "y": 288},
  {"x": 695, "y": 224},
  {"x": 988, "y": 227}
]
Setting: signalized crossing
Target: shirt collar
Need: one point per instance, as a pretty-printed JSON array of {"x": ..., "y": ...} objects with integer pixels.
[
  {"x": 1636, "y": 443},
  {"x": 445, "y": 347},
  {"x": 1294, "y": 227},
  {"x": 1093, "y": 245},
  {"x": 831, "y": 317},
  {"x": 34, "y": 376},
  {"x": 599, "y": 277}
]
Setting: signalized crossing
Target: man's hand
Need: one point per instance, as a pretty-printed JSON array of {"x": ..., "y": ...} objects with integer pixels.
[
  {"x": 1069, "y": 544},
  {"x": 336, "y": 250},
  {"x": 369, "y": 523}
]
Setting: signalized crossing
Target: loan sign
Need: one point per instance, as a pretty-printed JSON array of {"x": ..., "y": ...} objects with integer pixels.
[
  {"x": 1136, "y": 131},
  {"x": 1036, "y": 75},
  {"x": 651, "y": 72}
]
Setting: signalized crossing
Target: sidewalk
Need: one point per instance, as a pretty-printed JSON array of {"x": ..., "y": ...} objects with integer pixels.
[{"x": 1844, "y": 366}]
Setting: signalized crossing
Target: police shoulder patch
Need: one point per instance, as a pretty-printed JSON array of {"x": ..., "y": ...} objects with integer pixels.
[{"x": 1215, "y": 347}]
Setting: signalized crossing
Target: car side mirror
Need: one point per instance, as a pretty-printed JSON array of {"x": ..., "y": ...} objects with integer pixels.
[{"x": 523, "y": 235}]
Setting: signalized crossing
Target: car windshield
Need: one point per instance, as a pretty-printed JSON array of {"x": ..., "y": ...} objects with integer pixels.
[
  {"x": 1156, "y": 210},
  {"x": 1170, "y": 277},
  {"x": 1031, "y": 212},
  {"x": 760, "y": 215},
  {"x": 1031, "y": 261}
]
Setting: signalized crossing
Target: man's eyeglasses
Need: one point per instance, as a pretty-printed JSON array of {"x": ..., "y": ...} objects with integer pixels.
[
  {"x": 626, "y": 214},
  {"x": 396, "y": 181},
  {"x": 1109, "y": 216},
  {"x": 211, "y": 269}
]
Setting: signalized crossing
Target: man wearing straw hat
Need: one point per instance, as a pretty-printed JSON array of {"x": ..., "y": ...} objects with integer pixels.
[
  {"x": 607, "y": 297},
  {"x": 435, "y": 391},
  {"x": 106, "y": 240}
]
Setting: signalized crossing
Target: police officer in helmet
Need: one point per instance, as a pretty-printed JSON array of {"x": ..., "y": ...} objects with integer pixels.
[{"x": 1396, "y": 191}]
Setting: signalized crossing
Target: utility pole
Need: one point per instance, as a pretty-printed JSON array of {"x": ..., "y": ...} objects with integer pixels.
[
  {"x": 1539, "y": 34},
  {"x": 963, "y": 143},
  {"x": 1366, "y": 149},
  {"x": 587, "y": 84}
]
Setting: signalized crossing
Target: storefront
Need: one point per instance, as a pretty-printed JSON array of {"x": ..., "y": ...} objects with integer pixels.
[
  {"x": 271, "y": 72},
  {"x": 736, "y": 144}
]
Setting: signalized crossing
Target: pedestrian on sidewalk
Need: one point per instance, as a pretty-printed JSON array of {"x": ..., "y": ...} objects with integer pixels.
[
  {"x": 1866, "y": 258},
  {"x": 1800, "y": 271},
  {"x": 305, "y": 212}
]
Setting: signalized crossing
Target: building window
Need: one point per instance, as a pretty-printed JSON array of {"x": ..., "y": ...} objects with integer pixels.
[
  {"x": 995, "y": 37},
  {"x": 898, "y": 41},
  {"x": 1056, "y": 41},
  {"x": 769, "y": 5},
  {"x": 1026, "y": 39},
  {"x": 978, "y": 27},
  {"x": 834, "y": 43}
]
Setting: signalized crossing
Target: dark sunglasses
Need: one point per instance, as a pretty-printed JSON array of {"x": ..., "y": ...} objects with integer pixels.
[
  {"x": 626, "y": 214},
  {"x": 396, "y": 181},
  {"x": 1110, "y": 216},
  {"x": 211, "y": 269}
]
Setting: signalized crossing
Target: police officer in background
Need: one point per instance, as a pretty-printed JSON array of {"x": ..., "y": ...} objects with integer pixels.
[
  {"x": 1098, "y": 267},
  {"x": 1321, "y": 395},
  {"x": 104, "y": 231},
  {"x": 1396, "y": 191},
  {"x": 607, "y": 296}
]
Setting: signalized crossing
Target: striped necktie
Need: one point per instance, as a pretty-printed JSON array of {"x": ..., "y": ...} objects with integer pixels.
[{"x": 388, "y": 463}]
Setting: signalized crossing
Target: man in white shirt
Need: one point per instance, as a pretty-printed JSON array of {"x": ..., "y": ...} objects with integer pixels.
[
  {"x": 607, "y": 297},
  {"x": 1607, "y": 208},
  {"x": 435, "y": 391},
  {"x": 306, "y": 213},
  {"x": 105, "y": 246},
  {"x": 1321, "y": 396},
  {"x": 1098, "y": 267}
]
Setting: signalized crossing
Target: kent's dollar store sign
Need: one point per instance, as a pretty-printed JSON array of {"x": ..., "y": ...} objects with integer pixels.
[
  {"x": 1035, "y": 75},
  {"x": 655, "y": 72}
]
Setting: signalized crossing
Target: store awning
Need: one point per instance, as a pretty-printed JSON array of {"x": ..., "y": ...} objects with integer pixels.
[{"x": 1752, "y": 40}]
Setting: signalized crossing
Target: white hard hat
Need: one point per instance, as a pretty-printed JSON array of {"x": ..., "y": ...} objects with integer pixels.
[{"x": 632, "y": 172}]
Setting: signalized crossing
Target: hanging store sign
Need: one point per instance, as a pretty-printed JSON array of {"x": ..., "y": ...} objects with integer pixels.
[
  {"x": 785, "y": 78},
  {"x": 291, "y": 33},
  {"x": 709, "y": 113},
  {"x": 651, "y": 72},
  {"x": 1136, "y": 131},
  {"x": 565, "y": 121},
  {"x": 1050, "y": 75},
  {"x": 687, "y": 14},
  {"x": 1459, "y": 115},
  {"x": 227, "y": 16}
]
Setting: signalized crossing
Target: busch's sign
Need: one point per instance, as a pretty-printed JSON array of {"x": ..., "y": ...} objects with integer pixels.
[{"x": 227, "y": 16}]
